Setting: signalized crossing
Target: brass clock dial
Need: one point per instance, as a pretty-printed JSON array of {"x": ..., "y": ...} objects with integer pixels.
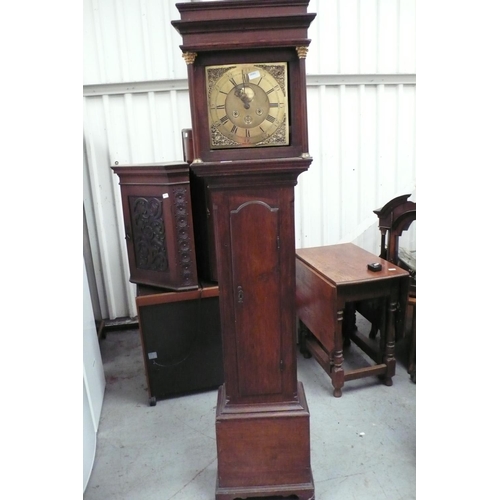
[{"x": 247, "y": 105}]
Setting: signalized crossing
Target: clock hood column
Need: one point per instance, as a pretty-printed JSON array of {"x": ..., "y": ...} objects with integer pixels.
[{"x": 189, "y": 58}]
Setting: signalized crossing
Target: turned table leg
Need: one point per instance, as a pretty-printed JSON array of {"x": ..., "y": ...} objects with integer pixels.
[
  {"x": 390, "y": 339},
  {"x": 413, "y": 346},
  {"x": 337, "y": 356}
]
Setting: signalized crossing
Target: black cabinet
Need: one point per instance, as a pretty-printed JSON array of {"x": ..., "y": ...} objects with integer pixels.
[{"x": 181, "y": 340}]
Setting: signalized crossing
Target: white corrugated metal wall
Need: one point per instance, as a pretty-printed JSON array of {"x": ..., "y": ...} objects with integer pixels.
[{"x": 361, "y": 113}]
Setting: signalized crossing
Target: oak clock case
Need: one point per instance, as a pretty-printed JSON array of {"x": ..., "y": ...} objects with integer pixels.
[{"x": 247, "y": 89}]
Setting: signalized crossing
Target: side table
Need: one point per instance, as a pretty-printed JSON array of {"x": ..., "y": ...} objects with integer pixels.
[{"x": 329, "y": 279}]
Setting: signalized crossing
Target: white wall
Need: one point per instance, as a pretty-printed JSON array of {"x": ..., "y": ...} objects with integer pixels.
[
  {"x": 361, "y": 89},
  {"x": 94, "y": 382}
]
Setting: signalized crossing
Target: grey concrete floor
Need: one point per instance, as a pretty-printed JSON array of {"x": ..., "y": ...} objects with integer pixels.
[{"x": 363, "y": 445}]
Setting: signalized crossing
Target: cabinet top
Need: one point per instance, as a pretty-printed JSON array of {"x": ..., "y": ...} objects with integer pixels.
[
  {"x": 167, "y": 165},
  {"x": 152, "y": 173}
]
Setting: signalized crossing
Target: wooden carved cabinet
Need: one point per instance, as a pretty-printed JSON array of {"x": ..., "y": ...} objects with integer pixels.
[{"x": 157, "y": 213}]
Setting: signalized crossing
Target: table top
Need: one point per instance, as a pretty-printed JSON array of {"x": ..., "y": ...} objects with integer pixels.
[{"x": 346, "y": 263}]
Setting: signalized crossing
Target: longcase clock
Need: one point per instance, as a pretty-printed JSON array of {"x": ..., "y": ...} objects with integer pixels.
[{"x": 247, "y": 87}]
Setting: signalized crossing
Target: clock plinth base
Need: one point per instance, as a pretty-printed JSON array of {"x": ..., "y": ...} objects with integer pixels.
[
  {"x": 263, "y": 450},
  {"x": 284, "y": 492}
]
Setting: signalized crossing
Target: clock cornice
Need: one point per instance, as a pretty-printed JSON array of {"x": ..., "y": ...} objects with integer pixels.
[{"x": 278, "y": 24}]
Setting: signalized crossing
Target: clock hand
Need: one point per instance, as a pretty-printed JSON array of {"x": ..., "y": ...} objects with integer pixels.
[{"x": 243, "y": 95}]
